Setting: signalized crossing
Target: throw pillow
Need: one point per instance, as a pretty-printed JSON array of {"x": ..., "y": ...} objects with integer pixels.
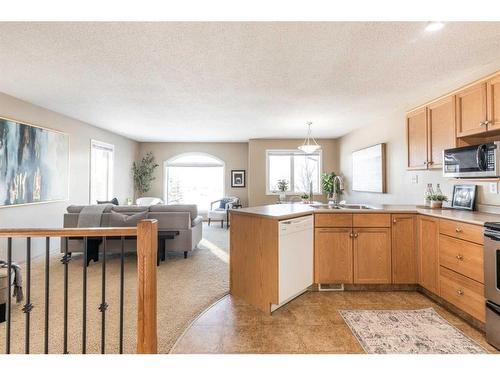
[
  {"x": 120, "y": 220},
  {"x": 224, "y": 201},
  {"x": 112, "y": 201}
]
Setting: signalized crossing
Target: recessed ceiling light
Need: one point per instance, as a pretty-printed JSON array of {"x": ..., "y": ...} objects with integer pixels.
[{"x": 434, "y": 26}]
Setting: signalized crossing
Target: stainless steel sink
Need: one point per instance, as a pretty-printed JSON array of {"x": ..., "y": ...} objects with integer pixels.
[{"x": 343, "y": 206}]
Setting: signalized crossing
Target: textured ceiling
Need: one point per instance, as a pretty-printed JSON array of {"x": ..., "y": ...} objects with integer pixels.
[{"x": 235, "y": 81}]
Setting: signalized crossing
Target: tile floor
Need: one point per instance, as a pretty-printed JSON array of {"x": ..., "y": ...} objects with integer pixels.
[{"x": 309, "y": 324}]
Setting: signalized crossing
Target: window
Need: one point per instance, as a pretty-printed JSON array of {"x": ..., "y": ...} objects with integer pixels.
[
  {"x": 101, "y": 171},
  {"x": 298, "y": 168},
  {"x": 194, "y": 178}
]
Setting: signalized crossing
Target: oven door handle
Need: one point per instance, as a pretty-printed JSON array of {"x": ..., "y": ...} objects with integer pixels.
[
  {"x": 492, "y": 236},
  {"x": 493, "y": 307}
]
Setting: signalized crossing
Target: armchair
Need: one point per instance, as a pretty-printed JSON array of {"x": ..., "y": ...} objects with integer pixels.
[{"x": 221, "y": 212}]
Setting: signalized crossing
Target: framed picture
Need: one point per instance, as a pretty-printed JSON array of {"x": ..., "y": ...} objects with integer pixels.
[
  {"x": 238, "y": 179},
  {"x": 34, "y": 164},
  {"x": 464, "y": 197},
  {"x": 368, "y": 169}
]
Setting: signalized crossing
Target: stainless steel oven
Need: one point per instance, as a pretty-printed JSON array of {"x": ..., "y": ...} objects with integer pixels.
[
  {"x": 492, "y": 282},
  {"x": 479, "y": 161}
]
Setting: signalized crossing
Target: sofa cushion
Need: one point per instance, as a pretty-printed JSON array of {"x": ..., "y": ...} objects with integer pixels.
[
  {"x": 129, "y": 209},
  {"x": 120, "y": 220},
  {"x": 191, "y": 208},
  {"x": 76, "y": 209}
]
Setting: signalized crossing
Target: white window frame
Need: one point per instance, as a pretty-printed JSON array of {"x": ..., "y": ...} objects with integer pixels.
[
  {"x": 171, "y": 160},
  {"x": 292, "y": 177},
  {"x": 108, "y": 147}
]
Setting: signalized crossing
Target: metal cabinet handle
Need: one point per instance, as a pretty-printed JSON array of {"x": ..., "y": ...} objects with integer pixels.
[
  {"x": 425, "y": 162},
  {"x": 482, "y": 123},
  {"x": 458, "y": 229},
  {"x": 351, "y": 235},
  {"x": 460, "y": 257},
  {"x": 394, "y": 221},
  {"x": 356, "y": 235},
  {"x": 460, "y": 292}
]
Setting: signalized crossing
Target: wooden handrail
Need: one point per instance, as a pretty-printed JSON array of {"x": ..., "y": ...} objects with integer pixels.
[
  {"x": 147, "y": 245},
  {"x": 68, "y": 232}
]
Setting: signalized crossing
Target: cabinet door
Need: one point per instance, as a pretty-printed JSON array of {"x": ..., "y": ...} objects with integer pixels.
[
  {"x": 428, "y": 245},
  {"x": 333, "y": 255},
  {"x": 471, "y": 110},
  {"x": 416, "y": 134},
  {"x": 404, "y": 249},
  {"x": 441, "y": 129},
  {"x": 494, "y": 103},
  {"x": 372, "y": 255}
]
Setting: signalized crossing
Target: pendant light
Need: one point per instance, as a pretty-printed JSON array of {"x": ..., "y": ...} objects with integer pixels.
[{"x": 310, "y": 145}]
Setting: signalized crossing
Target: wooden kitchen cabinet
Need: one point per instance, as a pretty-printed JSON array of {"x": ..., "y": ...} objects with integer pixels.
[
  {"x": 416, "y": 137},
  {"x": 333, "y": 255},
  {"x": 471, "y": 110},
  {"x": 493, "y": 104},
  {"x": 428, "y": 253},
  {"x": 404, "y": 252},
  {"x": 441, "y": 130},
  {"x": 372, "y": 255}
]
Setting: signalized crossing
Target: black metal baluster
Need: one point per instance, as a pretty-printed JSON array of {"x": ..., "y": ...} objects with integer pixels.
[
  {"x": 122, "y": 279},
  {"x": 104, "y": 306},
  {"x": 65, "y": 260},
  {"x": 47, "y": 285},
  {"x": 9, "y": 291},
  {"x": 84, "y": 304},
  {"x": 27, "y": 306}
]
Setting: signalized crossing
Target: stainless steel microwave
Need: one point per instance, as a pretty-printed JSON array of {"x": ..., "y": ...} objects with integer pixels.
[{"x": 479, "y": 161}]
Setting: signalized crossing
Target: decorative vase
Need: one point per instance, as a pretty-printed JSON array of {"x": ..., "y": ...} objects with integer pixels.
[
  {"x": 436, "y": 204},
  {"x": 282, "y": 196}
]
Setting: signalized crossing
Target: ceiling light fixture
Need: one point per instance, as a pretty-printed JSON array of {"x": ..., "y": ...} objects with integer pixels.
[
  {"x": 310, "y": 145},
  {"x": 434, "y": 26}
]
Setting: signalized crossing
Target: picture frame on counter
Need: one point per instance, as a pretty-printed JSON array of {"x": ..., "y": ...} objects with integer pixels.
[{"x": 464, "y": 197}]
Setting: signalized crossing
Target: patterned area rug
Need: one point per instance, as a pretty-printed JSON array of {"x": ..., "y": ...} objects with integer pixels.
[{"x": 408, "y": 332}]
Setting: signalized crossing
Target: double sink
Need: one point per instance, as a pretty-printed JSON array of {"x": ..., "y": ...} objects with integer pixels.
[{"x": 342, "y": 206}]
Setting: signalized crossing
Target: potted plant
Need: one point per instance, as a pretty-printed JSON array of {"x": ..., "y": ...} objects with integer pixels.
[
  {"x": 305, "y": 198},
  {"x": 143, "y": 174},
  {"x": 328, "y": 185},
  {"x": 437, "y": 200},
  {"x": 282, "y": 187}
]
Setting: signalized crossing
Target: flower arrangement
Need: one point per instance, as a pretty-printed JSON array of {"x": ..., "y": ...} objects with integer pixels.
[{"x": 282, "y": 185}]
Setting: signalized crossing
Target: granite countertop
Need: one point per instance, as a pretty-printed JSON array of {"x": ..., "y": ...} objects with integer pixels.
[{"x": 289, "y": 211}]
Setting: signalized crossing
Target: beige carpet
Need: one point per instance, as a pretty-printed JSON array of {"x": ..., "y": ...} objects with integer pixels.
[{"x": 185, "y": 288}]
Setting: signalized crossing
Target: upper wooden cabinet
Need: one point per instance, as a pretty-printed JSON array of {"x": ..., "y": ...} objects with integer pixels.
[
  {"x": 441, "y": 130},
  {"x": 493, "y": 105},
  {"x": 416, "y": 137},
  {"x": 471, "y": 110},
  {"x": 404, "y": 252}
]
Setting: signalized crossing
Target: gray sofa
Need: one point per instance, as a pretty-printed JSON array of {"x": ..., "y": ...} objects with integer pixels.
[{"x": 183, "y": 218}]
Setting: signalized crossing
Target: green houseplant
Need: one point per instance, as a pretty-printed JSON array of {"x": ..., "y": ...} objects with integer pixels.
[
  {"x": 143, "y": 173},
  {"x": 305, "y": 198},
  {"x": 282, "y": 187},
  {"x": 437, "y": 200},
  {"x": 327, "y": 185}
]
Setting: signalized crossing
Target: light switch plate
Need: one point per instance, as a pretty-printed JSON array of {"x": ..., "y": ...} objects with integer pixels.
[
  {"x": 414, "y": 179},
  {"x": 494, "y": 187}
]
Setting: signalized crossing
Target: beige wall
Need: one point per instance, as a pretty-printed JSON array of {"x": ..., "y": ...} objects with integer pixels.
[
  {"x": 400, "y": 189},
  {"x": 80, "y": 134},
  {"x": 235, "y": 155},
  {"x": 257, "y": 164}
]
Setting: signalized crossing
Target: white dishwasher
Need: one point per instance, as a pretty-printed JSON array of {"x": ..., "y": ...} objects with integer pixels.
[{"x": 295, "y": 258}]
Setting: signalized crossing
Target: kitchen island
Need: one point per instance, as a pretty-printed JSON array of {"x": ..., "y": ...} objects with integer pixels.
[{"x": 389, "y": 246}]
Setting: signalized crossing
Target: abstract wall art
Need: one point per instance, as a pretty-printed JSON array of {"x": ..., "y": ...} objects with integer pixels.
[{"x": 34, "y": 164}]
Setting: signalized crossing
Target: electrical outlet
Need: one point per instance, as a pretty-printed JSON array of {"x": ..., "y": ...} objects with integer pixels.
[
  {"x": 494, "y": 187},
  {"x": 414, "y": 179}
]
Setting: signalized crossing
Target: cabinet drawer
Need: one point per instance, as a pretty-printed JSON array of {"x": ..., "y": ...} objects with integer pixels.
[
  {"x": 372, "y": 220},
  {"x": 464, "y": 231},
  {"x": 461, "y": 256},
  {"x": 333, "y": 220},
  {"x": 464, "y": 293}
]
